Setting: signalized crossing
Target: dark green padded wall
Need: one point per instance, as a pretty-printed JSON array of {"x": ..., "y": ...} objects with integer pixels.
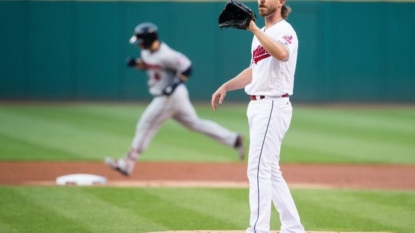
[{"x": 75, "y": 50}]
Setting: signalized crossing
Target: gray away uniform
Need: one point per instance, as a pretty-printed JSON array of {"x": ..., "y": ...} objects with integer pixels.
[{"x": 163, "y": 67}]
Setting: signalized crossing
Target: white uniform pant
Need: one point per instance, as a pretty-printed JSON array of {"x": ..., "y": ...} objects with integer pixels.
[
  {"x": 269, "y": 120},
  {"x": 178, "y": 107}
]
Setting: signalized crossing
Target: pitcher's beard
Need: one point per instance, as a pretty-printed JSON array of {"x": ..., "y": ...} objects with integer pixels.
[{"x": 265, "y": 11}]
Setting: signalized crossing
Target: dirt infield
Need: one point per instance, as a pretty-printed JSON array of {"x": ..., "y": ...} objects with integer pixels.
[
  {"x": 156, "y": 174},
  {"x": 172, "y": 174}
]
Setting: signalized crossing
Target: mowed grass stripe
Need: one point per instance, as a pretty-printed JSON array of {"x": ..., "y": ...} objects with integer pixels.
[
  {"x": 20, "y": 210},
  {"x": 398, "y": 205},
  {"x": 357, "y": 210},
  {"x": 69, "y": 134},
  {"x": 174, "y": 142},
  {"x": 110, "y": 210},
  {"x": 184, "y": 209},
  {"x": 94, "y": 131},
  {"x": 90, "y": 213},
  {"x": 345, "y": 148},
  {"x": 218, "y": 202},
  {"x": 359, "y": 122},
  {"x": 94, "y": 117},
  {"x": 360, "y": 136},
  {"x": 191, "y": 217},
  {"x": 16, "y": 147}
]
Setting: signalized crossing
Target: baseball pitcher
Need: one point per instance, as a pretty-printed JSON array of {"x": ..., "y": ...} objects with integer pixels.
[{"x": 268, "y": 81}]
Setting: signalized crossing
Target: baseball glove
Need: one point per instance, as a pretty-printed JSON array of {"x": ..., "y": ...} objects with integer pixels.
[
  {"x": 236, "y": 15},
  {"x": 131, "y": 62}
]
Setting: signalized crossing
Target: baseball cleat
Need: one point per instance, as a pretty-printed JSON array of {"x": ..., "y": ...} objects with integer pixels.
[
  {"x": 239, "y": 146},
  {"x": 121, "y": 165}
]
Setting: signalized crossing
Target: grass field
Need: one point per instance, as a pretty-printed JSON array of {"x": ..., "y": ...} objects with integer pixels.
[
  {"x": 110, "y": 210},
  {"x": 317, "y": 134},
  {"x": 89, "y": 132}
]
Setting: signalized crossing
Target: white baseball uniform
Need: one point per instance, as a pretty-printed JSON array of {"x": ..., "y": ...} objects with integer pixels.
[
  {"x": 163, "y": 66},
  {"x": 269, "y": 118}
]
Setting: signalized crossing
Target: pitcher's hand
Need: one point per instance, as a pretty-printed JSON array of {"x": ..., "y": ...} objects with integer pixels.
[{"x": 218, "y": 97}]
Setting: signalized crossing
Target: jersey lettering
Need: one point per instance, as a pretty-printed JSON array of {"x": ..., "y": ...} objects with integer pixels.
[
  {"x": 153, "y": 66},
  {"x": 259, "y": 54},
  {"x": 156, "y": 76}
]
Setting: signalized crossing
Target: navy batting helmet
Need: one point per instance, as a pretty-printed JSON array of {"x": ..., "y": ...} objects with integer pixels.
[{"x": 145, "y": 34}]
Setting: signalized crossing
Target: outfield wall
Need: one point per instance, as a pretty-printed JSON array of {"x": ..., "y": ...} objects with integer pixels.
[{"x": 75, "y": 50}]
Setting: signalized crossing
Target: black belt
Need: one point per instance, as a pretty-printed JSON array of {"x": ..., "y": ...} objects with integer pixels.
[{"x": 256, "y": 97}]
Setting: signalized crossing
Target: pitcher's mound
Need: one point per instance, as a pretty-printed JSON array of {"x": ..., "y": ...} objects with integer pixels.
[{"x": 227, "y": 231}]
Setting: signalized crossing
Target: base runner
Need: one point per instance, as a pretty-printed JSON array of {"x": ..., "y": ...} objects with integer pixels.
[{"x": 167, "y": 71}]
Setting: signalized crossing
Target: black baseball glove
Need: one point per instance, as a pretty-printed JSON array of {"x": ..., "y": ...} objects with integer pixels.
[
  {"x": 236, "y": 15},
  {"x": 131, "y": 62}
]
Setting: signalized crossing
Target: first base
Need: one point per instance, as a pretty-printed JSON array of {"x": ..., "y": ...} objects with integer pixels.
[{"x": 81, "y": 180}]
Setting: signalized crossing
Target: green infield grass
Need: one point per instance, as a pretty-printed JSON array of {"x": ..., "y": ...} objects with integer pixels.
[
  {"x": 93, "y": 131},
  {"x": 89, "y": 132},
  {"x": 128, "y": 210}
]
